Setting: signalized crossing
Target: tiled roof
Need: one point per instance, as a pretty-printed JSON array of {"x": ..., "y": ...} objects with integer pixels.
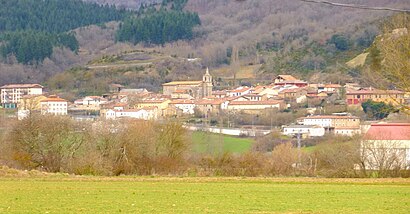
[
  {"x": 291, "y": 82},
  {"x": 374, "y": 91},
  {"x": 53, "y": 99},
  {"x": 332, "y": 86},
  {"x": 266, "y": 102},
  {"x": 22, "y": 86},
  {"x": 287, "y": 77},
  {"x": 182, "y": 101},
  {"x": 388, "y": 131},
  {"x": 239, "y": 90},
  {"x": 210, "y": 102}
]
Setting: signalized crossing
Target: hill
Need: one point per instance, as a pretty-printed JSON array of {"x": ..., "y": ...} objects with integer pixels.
[{"x": 283, "y": 36}]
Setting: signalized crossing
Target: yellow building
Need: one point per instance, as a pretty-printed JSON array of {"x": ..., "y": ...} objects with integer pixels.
[
  {"x": 195, "y": 89},
  {"x": 161, "y": 103},
  {"x": 356, "y": 97}
]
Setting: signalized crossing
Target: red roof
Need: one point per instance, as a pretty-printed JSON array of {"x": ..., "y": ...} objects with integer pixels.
[
  {"x": 53, "y": 99},
  {"x": 240, "y": 90},
  {"x": 286, "y": 77},
  {"x": 374, "y": 91},
  {"x": 182, "y": 101},
  {"x": 290, "y": 82},
  {"x": 389, "y": 131},
  {"x": 266, "y": 102},
  {"x": 210, "y": 102}
]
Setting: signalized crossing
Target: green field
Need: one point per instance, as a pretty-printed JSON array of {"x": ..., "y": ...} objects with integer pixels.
[
  {"x": 215, "y": 143},
  {"x": 202, "y": 195}
]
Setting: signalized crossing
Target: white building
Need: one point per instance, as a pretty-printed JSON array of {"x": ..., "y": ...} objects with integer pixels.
[
  {"x": 186, "y": 106},
  {"x": 90, "y": 102},
  {"x": 347, "y": 131},
  {"x": 304, "y": 130},
  {"x": 387, "y": 147},
  {"x": 54, "y": 105},
  {"x": 239, "y": 91},
  {"x": 10, "y": 95},
  {"x": 331, "y": 121},
  {"x": 142, "y": 113},
  {"x": 254, "y": 105}
]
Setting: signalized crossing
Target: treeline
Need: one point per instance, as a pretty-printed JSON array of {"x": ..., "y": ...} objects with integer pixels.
[
  {"x": 135, "y": 147},
  {"x": 54, "y": 15},
  {"x": 30, "y": 29},
  {"x": 28, "y": 46},
  {"x": 159, "y": 27}
]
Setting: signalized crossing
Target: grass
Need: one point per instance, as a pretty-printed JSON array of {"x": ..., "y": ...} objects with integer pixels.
[
  {"x": 245, "y": 72},
  {"x": 211, "y": 143},
  {"x": 202, "y": 195}
]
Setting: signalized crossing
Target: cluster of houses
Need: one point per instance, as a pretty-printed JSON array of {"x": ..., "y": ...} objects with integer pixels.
[
  {"x": 180, "y": 98},
  {"x": 188, "y": 98}
]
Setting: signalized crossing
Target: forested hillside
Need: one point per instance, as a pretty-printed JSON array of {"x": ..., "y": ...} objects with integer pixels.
[
  {"x": 159, "y": 27},
  {"x": 286, "y": 36},
  {"x": 283, "y": 36},
  {"x": 29, "y": 29}
]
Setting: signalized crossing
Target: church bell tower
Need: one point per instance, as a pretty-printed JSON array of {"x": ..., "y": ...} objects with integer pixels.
[{"x": 207, "y": 84}]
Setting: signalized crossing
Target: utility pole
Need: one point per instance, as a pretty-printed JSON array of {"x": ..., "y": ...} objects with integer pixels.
[{"x": 299, "y": 151}]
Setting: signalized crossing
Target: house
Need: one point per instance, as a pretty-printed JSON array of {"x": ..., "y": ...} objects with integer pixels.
[
  {"x": 160, "y": 103},
  {"x": 298, "y": 83},
  {"x": 196, "y": 89},
  {"x": 142, "y": 113},
  {"x": 115, "y": 88},
  {"x": 357, "y": 97},
  {"x": 303, "y": 130},
  {"x": 331, "y": 121},
  {"x": 90, "y": 102},
  {"x": 251, "y": 106},
  {"x": 268, "y": 91},
  {"x": 282, "y": 78},
  {"x": 213, "y": 106},
  {"x": 183, "y": 105},
  {"x": 54, "y": 105},
  {"x": 313, "y": 95},
  {"x": 248, "y": 97},
  {"x": 297, "y": 95},
  {"x": 10, "y": 95},
  {"x": 181, "y": 94},
  {"x": 219, "y": 94},
  {"x": 386, "y": 146},
  {"x": 347, "y": 131},
  {"x": 331, "y": 88},
  {"x": 242, "y": 90}
]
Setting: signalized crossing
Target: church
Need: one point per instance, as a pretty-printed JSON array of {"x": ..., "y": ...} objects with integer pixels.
[{"x": 189, "y": 89}]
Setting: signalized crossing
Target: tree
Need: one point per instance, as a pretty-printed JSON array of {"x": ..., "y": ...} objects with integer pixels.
[
  {"x": 340, "y": 42},
  {"x": 389, "y": 56},
  {"x": 45, "y": 142},
  {"x": 377, "y": 110}
]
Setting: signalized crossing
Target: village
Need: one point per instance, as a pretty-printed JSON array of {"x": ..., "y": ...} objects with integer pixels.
[{"x": 187, "y": 100}]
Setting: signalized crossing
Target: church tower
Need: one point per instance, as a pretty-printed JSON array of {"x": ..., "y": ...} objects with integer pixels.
[{"x": 207, "y": 84}]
